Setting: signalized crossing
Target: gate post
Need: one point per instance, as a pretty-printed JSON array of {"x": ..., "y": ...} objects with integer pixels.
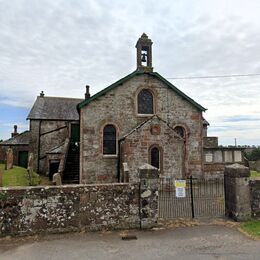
[
  {"x": 237, "y": 192},
  {"x": 149, "y": 186}
]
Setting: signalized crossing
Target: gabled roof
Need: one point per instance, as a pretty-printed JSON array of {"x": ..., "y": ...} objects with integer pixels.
[
  {"x": 148, "y": 120},
  {"x": 134, "y": 74},
  {"x": 20, "y": 139},
  {"x": 55, "y": 108}
]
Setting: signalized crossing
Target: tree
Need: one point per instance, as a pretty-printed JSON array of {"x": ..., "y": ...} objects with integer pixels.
[{"x": 254, "y": 154}]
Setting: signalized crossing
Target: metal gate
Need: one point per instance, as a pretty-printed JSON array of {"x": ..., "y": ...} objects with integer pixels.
[{"x": 203, "y": 198}]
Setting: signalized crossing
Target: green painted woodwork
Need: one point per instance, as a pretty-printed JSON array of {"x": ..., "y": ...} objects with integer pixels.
[
  {"x": 23, "y": 159},
  {"x": 138, "y": 73},
  {"x": 74, "y": 137}
]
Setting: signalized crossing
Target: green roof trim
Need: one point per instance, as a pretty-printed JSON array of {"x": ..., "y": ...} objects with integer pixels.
[
  {"x": 133, "y": 74},
  {"x": 170, "y": 85}
]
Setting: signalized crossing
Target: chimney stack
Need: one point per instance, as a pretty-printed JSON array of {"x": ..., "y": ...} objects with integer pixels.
[
  {"x": 42, "y": 94},
  {"x": 87, "y": 94},
  {"x": 15, "y": 131}
]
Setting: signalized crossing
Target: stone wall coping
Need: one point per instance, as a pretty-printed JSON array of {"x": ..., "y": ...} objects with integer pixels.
[
  {"x": 236, "y": 171},
  {"x": 147, "y": 166},
  {"x": 70, "y": 186},
  {"x": 222, "y": 148}
]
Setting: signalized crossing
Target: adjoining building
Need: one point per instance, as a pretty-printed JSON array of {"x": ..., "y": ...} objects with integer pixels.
[{"x": 19, "y": 143}]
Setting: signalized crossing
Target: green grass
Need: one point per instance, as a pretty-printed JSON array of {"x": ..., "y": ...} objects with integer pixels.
[
  {"x": 252, "y": 227},
  {"x": 17, "y": 176},
  {"x": 254, "y": 174}
]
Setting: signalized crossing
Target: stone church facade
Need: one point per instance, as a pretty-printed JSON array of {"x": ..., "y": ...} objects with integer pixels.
[{"x": 142, "y": 118}]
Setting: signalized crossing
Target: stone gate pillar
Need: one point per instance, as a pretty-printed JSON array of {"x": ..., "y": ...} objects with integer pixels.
[
  {"x": 237, "y": 192},
  {"x": 149, "y": 186}
]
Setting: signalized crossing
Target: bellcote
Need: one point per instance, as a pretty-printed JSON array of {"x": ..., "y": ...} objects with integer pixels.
[{"x": 144, "y": 54}]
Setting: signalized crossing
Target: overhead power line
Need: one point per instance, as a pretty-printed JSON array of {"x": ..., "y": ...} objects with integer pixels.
[{"x": 218, "y": 76}]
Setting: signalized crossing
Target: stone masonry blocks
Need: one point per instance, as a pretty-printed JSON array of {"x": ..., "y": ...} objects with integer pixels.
[{"x": 237, "y": 196}]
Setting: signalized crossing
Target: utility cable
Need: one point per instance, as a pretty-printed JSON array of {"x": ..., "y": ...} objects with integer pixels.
[{"x": 217, "y": 76}]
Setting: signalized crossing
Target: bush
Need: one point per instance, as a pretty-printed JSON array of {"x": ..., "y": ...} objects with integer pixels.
[{"x": 253, "y": 155}]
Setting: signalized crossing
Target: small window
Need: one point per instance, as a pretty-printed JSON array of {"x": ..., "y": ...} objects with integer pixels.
[
  {"x": 109, "y": 139},
  {"x": 155, "y": 157},
  {"x": 145, "y": 102},
  {"x": 180, "y": 131}
]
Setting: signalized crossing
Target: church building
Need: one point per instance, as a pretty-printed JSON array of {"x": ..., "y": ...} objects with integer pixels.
[{"x": 141, "y": 118}]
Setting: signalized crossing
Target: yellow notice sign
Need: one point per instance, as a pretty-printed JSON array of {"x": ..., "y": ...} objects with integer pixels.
[
  {"x": 180, "y": 183},
  {"x": 180, "y": 188}
]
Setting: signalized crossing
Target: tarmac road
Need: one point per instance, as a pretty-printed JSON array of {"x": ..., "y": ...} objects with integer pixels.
[{"x": 198, "y": 242}]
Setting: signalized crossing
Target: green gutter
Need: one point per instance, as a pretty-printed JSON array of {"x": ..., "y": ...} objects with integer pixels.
[
  {"x": 136, "y": 73},
  {"x": 169, "y": 84},
  {"x": 105, "y": 90}
]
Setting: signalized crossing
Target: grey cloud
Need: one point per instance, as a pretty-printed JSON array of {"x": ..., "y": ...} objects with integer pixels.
[
  {"x": 60, "y": 46},
  {"x": 238, "y": 118}
]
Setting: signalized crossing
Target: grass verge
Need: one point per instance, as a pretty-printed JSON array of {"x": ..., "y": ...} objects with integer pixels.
[
  {"x": 17, "y": 176},
  {"x": 252, "y": 228},
  {"x": 254, "y": 174}
]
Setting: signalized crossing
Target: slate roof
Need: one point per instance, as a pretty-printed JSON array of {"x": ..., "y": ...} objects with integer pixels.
[
  {"x": 20, "y": 139},
  {"x": 137, "y": 73},
  {"x": 55, "y": 108}
]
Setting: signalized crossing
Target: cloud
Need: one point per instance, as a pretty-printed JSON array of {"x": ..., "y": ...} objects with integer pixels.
[
  {"x": 238, "y": 118},
  {"x": 61, "y": 46}
]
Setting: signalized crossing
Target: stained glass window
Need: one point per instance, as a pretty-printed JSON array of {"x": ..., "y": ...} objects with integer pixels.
[
  {"x": 145, "y": 102},
  {"x": 109, "y": 139}
]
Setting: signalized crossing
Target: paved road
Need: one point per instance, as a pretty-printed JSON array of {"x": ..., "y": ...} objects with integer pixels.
[{"x": 199, "y": 242}]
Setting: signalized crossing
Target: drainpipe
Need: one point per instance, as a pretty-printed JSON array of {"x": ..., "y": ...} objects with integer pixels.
[{"x": 119, "y": 158}]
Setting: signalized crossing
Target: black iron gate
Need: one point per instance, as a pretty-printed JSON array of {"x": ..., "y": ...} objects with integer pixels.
[{"x": 203, "y": 198}]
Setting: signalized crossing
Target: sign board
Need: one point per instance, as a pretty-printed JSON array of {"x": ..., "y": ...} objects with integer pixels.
[{"x": 180, "y": 188}]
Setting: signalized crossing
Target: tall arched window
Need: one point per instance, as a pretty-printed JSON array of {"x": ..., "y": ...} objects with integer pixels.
[
  {"x": 145, "y": 102},
  {"x": 180, "y": 131},
  {"x": 155, "y": 157},
  {"x": 109, "y": 139}
]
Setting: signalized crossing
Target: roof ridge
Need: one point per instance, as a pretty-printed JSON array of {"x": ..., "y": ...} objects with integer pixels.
[
  {"x": 15, "y": 136},
  {"x": 60, "y": 97}
]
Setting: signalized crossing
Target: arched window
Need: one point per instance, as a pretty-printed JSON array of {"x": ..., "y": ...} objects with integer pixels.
[
  {"x": 155, "y": 157},
  {"x": 180, "y": 131},
  {"x": 109, "y": 139},
  {"x": 145, "y": 102}
]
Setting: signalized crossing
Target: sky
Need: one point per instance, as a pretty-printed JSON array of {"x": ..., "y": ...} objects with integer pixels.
[{"x": 60, "y": 46}]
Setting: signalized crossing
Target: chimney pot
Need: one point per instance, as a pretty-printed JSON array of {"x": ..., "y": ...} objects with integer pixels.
[
  {"x": 42, "y": 94},
  {"x": 15, "y": 131},
  {"x": 87, "y": 94}
]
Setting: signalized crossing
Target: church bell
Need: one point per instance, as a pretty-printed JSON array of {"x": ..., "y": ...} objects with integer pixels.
[{"x": 143, "y": 59}]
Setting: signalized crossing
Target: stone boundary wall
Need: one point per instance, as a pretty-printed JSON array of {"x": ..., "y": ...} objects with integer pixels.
[
  {"x": 51, "y": 209},
  {"x": 255, "y": 197}
]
